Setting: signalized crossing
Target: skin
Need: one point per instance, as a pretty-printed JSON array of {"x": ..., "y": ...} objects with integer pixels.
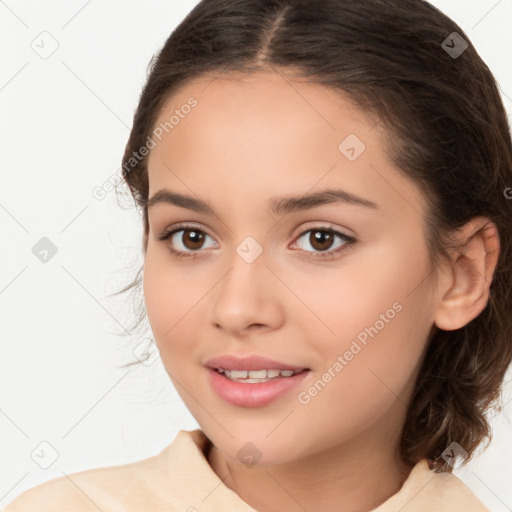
[{"x": 261, "y": 136}]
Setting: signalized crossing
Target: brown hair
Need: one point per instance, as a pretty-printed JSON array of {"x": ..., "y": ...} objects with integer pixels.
[{"x": 448, "y": 131}]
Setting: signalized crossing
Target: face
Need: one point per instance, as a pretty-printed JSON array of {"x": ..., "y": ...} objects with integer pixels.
[{"x": 338, "y": 287}]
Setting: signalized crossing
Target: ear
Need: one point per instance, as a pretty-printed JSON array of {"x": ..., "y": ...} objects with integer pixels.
[{"x": 465, "y": 281}]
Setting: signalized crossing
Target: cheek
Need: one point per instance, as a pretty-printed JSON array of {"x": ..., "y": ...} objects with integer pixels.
[
  {"x": 375, "y": 286},
  {"x": 175, "y": 297},
  {"x": 381, "y": 351},
  {"x": 380, "y": 318},
  {"x": 368, "y": 373},
  {"x": 168, "y": 294}
]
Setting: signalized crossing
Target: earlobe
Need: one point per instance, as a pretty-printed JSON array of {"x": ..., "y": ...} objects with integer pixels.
[{"x": 466, "y": 282}]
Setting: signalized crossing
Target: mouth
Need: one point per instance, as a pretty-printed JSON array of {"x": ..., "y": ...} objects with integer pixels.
[
  {"x": 253, "y": 380},
  {"x": 255, "y": 388}
]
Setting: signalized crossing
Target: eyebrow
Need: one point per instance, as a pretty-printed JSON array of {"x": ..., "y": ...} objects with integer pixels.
[{"x": 279, "y": 205}]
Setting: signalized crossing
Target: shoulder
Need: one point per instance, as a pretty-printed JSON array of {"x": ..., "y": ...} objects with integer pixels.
[
  {"x": 58, "y": 494},
  {"x": 106, "y": 488},
  {"x": 450, "y": 491},
  {"x": 425, "y": 489}
]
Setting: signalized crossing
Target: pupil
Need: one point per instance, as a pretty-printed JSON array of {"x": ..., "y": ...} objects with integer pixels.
[{"x": 321, "y": 238}]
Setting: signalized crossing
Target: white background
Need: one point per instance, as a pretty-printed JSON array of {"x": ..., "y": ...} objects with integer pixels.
[{"x": 65, "y": 122}]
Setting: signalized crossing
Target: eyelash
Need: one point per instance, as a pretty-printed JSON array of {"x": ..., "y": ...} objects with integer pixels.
[{"x": 325, "y": 255}]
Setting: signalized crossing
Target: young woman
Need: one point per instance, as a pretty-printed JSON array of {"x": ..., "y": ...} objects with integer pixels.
[{"x": 325, "y": 195}]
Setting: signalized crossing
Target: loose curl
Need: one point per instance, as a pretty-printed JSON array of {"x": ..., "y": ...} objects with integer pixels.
[{"x": 447, "y": 130}]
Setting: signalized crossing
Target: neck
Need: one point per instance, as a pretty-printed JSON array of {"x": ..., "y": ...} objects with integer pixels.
[{"x": 349, "y": 477}]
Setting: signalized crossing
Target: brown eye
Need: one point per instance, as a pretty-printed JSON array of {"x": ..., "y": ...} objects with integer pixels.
[
  {"x": 186, "y": 241},
  {"x": 321, "y": 239},
  {"x": 323, "y": 242},
  {"x": 192, "y": 239}
]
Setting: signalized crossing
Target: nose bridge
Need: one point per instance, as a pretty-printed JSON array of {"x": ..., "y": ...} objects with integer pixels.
[
  {"x": 244, "y": 295},
  {"x": 244, "y": 281}
]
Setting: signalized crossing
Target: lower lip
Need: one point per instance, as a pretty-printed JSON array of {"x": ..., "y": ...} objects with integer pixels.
[{"x": 255, "y": 394}]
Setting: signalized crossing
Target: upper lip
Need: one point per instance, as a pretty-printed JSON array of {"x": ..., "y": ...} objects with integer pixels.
[{"x": 253, "y": 362}]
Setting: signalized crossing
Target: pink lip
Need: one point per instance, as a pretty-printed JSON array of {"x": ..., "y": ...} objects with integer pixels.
[
  {"x": 253, "y": 362},
  {"x": 255, "y": 394}
]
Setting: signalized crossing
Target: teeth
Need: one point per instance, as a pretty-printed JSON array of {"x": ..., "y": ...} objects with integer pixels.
[
  {"x": 255, "y": 376},
  {"x": 240, "y": 374}
]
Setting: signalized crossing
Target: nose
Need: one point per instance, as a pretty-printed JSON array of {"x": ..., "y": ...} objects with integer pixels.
[{"x": 249, "y": 297}]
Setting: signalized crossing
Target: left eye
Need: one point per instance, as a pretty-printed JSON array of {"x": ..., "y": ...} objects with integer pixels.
[{"x": 321, "y": 240}]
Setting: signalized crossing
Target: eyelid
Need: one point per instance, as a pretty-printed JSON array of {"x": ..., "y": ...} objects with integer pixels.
[
  {"x": 183, "y": 226},
  {"x": 311, "y": 225}
]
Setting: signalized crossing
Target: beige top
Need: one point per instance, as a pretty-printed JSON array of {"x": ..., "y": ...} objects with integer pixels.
[{"x": 180, "y": 479}]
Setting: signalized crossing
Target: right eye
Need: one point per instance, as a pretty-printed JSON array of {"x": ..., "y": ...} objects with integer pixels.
[{"x": 184, "y": 241}]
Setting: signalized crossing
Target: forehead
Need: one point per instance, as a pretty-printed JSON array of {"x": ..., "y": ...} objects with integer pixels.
[
  {"x": 269, "y": 106},
  {"x": 245, "y": 130}
]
